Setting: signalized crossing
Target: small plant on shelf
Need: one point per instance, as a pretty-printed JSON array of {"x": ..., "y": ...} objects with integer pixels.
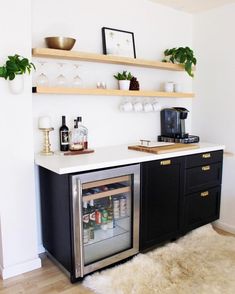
[
  {"x": 124, "y": 79},
  {"x": 15, "y": 65},
  {"x": 181, "y": 55},
  {"x": 123, "y": 76}
]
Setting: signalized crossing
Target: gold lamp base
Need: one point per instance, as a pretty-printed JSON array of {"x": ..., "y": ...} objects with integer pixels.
[{"x": 46, "y": 144}]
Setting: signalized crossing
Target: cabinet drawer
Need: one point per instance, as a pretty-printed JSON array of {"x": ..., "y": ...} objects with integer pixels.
[
  {"x": 202, "y": 177},
  {"x": 204, "y": 158},
  {"x": 201, "y": 208}
]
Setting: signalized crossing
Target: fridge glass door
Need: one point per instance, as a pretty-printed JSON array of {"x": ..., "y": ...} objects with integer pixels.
[{"x": 107, "y": 217}]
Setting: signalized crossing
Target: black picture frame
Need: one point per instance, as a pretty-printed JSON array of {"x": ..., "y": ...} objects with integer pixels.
[{"x": 119, "y": 43}]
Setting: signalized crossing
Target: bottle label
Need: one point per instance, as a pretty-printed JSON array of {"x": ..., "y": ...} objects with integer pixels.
[{"x": 64, "y": 137}]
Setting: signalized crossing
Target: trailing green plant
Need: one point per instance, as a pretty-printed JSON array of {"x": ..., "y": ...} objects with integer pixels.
[
  {"x": 123, "y": 76},
  {"x": 15, "y": 65},
  {"x": 181, "y": 55}
]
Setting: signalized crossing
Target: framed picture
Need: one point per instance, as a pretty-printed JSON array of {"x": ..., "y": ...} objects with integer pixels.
[{"x": 117, "y": 42}]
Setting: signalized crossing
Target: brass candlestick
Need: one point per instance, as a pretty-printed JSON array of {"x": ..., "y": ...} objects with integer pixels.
[{"x": 46, "y": 145}]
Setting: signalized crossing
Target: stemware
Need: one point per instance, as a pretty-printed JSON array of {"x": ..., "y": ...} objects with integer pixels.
[
  {"x": 77, "y": 81},
  {"x": 42, "y": 79},
  {"x": 61, "y": 79}
]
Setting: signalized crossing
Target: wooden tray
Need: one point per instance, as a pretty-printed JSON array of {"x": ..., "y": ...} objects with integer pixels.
[
  {"x": 86, "y": 151},
  {"x": 164, "y": 149}
]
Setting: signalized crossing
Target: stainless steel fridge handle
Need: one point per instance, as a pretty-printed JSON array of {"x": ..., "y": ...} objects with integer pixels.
[{"x": 78, "y": 231}]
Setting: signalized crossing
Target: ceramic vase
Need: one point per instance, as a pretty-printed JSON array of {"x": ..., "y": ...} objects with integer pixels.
[
  {"x": 124, "y": 84},
  {"x": 16, "y": 86}
]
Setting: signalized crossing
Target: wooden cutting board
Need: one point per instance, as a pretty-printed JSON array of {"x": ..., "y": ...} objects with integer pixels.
[
  {"x": 78, "y": 152},
  {"x": 164, "y": 149}
]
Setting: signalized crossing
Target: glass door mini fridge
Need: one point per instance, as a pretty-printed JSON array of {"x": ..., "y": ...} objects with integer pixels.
[{"x": 105, "y": 213}]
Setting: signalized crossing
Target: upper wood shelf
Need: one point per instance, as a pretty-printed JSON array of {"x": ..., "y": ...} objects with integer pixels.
[
  {"x": 92, "y": 57},
  {"x": 109, "y": 92}
]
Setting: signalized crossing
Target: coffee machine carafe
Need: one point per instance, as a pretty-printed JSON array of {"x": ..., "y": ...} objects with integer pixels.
[{"x": 173, "y": 126}]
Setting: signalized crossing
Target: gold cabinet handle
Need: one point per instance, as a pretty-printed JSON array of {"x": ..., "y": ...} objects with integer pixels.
[
  {"x": 206, "y": 155},
  {"x": 205, "y": 168},
  {"x": 165, "y": 162},
  {"x": 205, "y": 194}
]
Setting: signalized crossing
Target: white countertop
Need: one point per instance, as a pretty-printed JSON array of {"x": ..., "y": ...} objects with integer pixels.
[{"x": 109, "y": 157}]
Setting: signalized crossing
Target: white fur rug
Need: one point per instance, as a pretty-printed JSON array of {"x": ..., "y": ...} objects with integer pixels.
[{"x": 202, "y": 262}]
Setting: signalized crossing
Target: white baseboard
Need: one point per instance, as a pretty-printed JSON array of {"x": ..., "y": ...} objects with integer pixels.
[
  {"x": 225, "y": 227},
  {"x": 18, "y": 269},
  {"x": 41, "y": 249}
]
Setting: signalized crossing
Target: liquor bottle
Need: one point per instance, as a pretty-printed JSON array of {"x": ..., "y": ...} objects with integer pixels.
[
  {"x": 64, "y": 136},
  {"x": 92, "y": 220},
  {"x": 74, "y": 138},
  {"x": 85, "y": 220},
  {"x": 83, "y": 133}
]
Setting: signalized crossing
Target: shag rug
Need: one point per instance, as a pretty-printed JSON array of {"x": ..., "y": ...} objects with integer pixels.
[{"x": 202, "y": 262}]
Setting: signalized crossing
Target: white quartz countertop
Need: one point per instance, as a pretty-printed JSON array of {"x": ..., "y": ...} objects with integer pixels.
[{"x": 109, "y": 157}]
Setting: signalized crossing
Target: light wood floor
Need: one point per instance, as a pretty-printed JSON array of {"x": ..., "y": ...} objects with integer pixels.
[{"x": 47, "y": 280}]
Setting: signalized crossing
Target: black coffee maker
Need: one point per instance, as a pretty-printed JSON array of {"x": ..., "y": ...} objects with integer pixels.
[{"x": 173, "y": 126}]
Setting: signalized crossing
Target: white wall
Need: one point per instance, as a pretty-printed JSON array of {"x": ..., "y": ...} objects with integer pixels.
[
  {"x": 155, "y": 27},
  {"x": 213, "y": 109},
  {"x": 18, "y": 235}
]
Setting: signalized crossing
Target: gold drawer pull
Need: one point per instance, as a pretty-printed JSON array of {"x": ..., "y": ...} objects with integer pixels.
[
  {"x": 165, "y": 162},
  {"x": 206, "y": 155},
  {"x": 205, "y": 168},
  {"x": 204, "y": 194}
]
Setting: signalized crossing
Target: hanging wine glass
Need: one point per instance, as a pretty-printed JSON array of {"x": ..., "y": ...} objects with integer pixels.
[
  {"x": 61, "y": 79},
  {"x": 77, "y": 81},
  {"x": 42, "y": 79}
]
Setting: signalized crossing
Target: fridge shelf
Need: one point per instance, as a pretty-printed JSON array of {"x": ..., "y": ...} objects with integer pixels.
[
  {"x": 105, "y": 182},
  {"x": 106, "y": 193},
  {"x": 102, "y": 235}
]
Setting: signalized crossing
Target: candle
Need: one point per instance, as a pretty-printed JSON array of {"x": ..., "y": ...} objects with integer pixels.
[{"x": 44, "y": 122}]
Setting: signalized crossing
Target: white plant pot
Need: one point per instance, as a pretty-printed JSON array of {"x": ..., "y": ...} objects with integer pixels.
[
  {"x": 124, "y": 84},
  {"x": 16, "y": 86}
]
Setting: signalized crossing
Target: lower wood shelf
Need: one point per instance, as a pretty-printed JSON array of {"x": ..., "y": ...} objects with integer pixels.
[{"x": 109, "y": 92}]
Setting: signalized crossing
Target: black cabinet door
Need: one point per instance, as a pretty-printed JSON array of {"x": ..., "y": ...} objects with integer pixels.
[
  {"x": 201, "y": 208},
  {"x": 160, "y": 200}
]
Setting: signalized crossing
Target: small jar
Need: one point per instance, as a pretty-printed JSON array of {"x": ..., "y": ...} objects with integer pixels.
[{"x": 169, "y": 87}]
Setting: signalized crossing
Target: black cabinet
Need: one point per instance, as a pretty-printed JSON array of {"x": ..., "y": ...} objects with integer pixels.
[
  {"x": 201, "y": 208},
  {"x": 201, "y": 201},
  {"x": 161, "y": 189},
  {"x": 178, "y": 195}
]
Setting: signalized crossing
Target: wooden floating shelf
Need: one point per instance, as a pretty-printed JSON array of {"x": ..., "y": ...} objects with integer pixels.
[
  {"x": 109, "y": 92},
  {"x": 92, "y": 57}
]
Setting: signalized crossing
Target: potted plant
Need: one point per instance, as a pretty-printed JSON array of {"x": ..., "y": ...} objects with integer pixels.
[
  {"x": 181, "y": 55},
  {"x": 13, "y": 69},
  {"x": 124, "y": 79}
]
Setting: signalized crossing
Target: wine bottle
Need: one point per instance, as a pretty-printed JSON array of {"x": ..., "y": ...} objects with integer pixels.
[{"x": 64, "y": 136}]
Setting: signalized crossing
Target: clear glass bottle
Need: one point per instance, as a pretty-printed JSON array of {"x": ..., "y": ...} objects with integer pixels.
[
  {"x": 83, "y": 133},
  {"x": 75, "y": 142}
]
